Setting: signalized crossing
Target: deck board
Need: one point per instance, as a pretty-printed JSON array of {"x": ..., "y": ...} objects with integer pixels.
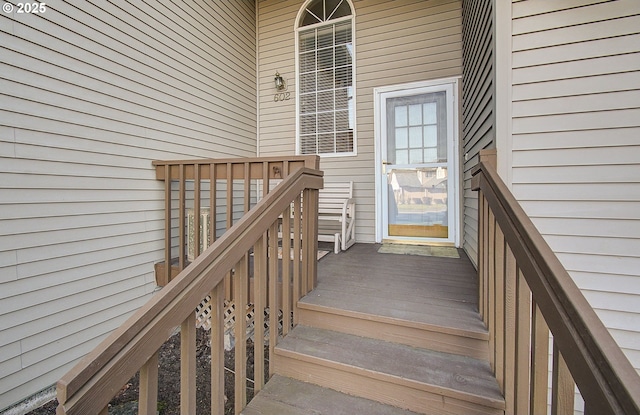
[
  {"x": 423, "y": 289},
  {"x": 284, "y": 396},
  {"x": 422, "y": 369}
]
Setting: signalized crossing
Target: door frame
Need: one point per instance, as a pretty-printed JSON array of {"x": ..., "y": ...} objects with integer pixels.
[{"x": 410, "y": 89}]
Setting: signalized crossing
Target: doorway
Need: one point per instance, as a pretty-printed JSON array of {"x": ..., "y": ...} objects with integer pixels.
[{"x": 416, "y": 163}]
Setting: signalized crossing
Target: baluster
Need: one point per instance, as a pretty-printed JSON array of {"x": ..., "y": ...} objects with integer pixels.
[
  {"x": 260, "y": 293},
  {"x": 212, "y": 202},
  {"x": 167, "y": 225},
  {"x": 240, "y": 291},
  {"x": 217, "y": 350},
  {"x": 481, "y": 252},
  {"x": 499, "y": 326},
  {"x": 247, "y": 187},
  {"x": 265, "y": 178},
  {"x": 188, "y": 365},
  {"x": 562, "y": 386},
  {"x": 491, "y": 277},
  {"x": 227, "y": 278},
  {"x": 196, "y": 212},
  {"x": 259, "y": 296},
  {"x": 313, "y": 225},
  {"x": 310, "y": 240},
  {"x": 181, "y": 217},
  {"x": 148, "y": 395},
  {"x": 523, "y": 344},
  {"x": 286, "y": 270},
  {"x": 273, "y": 291},
  {"x": 486, "y": 259},
  {"x": 539, "y": 361},
  {"x": 246, "y": 208},
  {"x": 510, "y": 324},
  {"x": 297, "y": 245}
]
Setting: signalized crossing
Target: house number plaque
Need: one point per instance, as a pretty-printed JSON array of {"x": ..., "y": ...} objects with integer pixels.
[{"x": 282, "y": 96}]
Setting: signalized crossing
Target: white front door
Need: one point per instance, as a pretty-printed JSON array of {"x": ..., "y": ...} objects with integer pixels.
[{"x": 417, "y": 163}]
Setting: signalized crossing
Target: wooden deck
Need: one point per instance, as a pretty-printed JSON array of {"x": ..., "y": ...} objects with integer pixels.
[
  {"x": 402, "y": 331},
  {"x": 422, "y": 289},
  {"x": 415, "y": 300}
]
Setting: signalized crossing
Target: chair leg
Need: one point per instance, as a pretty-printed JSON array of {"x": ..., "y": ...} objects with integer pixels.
[{"x": 336, "y": 243}]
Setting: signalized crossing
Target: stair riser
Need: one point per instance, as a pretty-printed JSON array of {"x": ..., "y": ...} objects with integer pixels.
[
  {"x": 375, "y": 386},
  {"x": 424, "y": 337}
]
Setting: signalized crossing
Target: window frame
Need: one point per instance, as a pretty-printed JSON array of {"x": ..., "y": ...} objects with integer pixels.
[{"x": 298, "y": 29}]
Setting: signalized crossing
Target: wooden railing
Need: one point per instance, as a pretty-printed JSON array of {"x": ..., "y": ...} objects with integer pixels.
[
  {"x": 227, "y": 188},
  {"x": 248, "y": 249},
  {"x": 525, "y": 292}
]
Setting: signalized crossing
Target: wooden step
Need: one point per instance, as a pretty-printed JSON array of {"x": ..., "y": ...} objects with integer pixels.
[
  {"x": 419, "y": 380},
  {"x": 421, "y": 301},
  {"x": 286, "y": 396},
  {"x": 444, "y": 327}
]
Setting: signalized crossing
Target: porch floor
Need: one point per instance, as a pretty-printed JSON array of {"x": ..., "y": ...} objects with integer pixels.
[{"x": 424, "y": 290}]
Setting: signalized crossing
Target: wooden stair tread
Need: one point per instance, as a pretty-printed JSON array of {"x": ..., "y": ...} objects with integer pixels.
[
  {"x": 286, "y": 396},
  {"x": 461, "y": 319},
  {"x": 451, "y": 375}
]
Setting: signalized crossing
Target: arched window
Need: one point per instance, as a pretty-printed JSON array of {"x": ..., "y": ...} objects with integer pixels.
[{"x": 326, "y": 103}]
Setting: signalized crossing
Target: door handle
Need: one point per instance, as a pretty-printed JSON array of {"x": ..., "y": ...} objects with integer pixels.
[{"x": 384, "y": 166}]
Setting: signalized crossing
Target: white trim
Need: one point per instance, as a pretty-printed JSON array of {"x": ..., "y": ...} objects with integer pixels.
[
  {"x": 502, "y": 73},
  {"x": 257, "y": 12},
  {"x": 297, "y": 30},
  {"x": 390, "y": 91}
]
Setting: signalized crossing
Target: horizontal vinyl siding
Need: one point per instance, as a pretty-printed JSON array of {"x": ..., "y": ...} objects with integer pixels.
[
  {"x": 478, "y": 108},
  {"x": 576, "y": 146},
  {"x": 91, "y": 93},
  {"x": 395, "y": 43}
]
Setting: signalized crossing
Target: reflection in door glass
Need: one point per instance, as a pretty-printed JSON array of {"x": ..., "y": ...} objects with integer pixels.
[{"x": 418, "y": 202}]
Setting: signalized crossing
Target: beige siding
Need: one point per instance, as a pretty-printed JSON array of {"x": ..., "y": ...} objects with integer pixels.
[
  {"x": 576, "y": 146},
  {"x": 478, "y": 107},
  {"x": 91, "y": 92},
  {"x": 395, "y": 42}
]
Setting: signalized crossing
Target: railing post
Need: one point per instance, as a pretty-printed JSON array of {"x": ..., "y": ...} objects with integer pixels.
[{"x": 489, "y": 157}]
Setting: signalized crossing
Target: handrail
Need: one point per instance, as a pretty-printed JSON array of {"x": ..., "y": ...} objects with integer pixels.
[
  {"x": 88, "y": 387},
  {"x": 603, "y": 374}
]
